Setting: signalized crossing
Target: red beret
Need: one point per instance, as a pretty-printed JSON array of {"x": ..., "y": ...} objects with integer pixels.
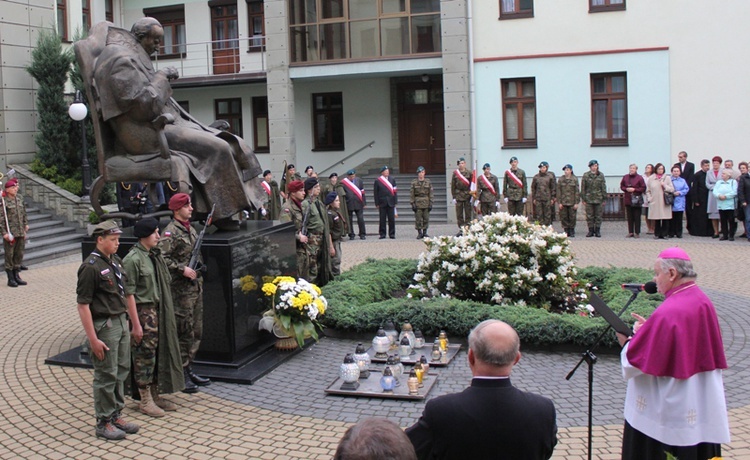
[
  {"x": 178, "y": 200},
  {"x": 11, "y": 183},
  {"x": 295, "y": 186}
]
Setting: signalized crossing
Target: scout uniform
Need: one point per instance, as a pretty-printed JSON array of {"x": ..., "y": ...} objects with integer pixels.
[
  {"x": 100, "y": 287},
  {"x": 421, "y": 198}
]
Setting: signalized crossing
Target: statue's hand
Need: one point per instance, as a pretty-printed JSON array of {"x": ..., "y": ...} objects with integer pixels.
[{"x": 171, "y": 73}]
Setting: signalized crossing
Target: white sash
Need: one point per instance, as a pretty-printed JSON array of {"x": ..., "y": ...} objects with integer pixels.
[
  {"x": 514, "y": 178},
  {"x": 385, "y": 182},
  {"x": 488, "y": 184},
  {"x": 461, "y": 177},
  {"x": 353, "y": 188}
]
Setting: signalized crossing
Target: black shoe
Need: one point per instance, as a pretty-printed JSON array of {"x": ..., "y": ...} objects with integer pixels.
[
  {"x": 572, "y": 232},
  {"x": 197, "y": 379},
  {"x": 424, "y": 234},
  {"x": 731, "y": 238},
  {"x": 459, "y": 233},
  {"x": 11, "y": 278},
  {"x": 18, "y": 278},
  {"x": 392, "y": 237},
  {"x": 382, "y": 237},
  {"x": 351, "y": 237},
  {"x": 715, "y": 236},
  {"x": 190, "y": 387},
  {"x": 597, "y": 232},
  {"x": 723, "y": 238},
  {"x": 362, "y": 237},
  {"x": 24, "y": 267}
]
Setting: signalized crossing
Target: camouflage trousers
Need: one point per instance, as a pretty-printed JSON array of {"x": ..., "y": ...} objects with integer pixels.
[
  {"x": 515, "y": 208},
  {"x": 14, "y": 253},
  {"x": 421, "y": 219},
  {"x": 487, "y": 208},
  {"x": 463, "y": 212},
  {"x": 594, "y": 213},
  {"x": 188, "y": 312},
  {"x": 568, "y": 216},
  {"x": 543, "y": 212},
  {"x": 144, "y": 354},
  {"x": 307, "y": 257}
]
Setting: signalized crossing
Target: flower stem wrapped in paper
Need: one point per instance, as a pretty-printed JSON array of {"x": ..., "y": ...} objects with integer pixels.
[{"x": 295, "y": 307}]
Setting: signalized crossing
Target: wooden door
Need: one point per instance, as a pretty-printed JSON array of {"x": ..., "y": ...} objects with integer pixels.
[
  {"x": 421, "y": 128},
  {"x": 225, "y": 34}
]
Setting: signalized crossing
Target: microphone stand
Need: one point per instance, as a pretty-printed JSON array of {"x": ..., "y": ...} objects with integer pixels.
[{"x": 590, "y": 359}]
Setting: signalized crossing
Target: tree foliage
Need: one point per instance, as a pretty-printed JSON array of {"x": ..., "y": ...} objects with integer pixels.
[{"x": 50, "y": 65}]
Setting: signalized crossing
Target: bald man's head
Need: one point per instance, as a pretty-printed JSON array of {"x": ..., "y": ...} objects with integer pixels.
[{"x": 495, "y": 344}]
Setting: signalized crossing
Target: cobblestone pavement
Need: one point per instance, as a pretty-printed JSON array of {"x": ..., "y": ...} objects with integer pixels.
[{"x": 46, "y": 411}]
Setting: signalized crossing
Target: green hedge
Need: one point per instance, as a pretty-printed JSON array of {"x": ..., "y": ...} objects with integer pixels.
[{"x": 361, "y": 300}]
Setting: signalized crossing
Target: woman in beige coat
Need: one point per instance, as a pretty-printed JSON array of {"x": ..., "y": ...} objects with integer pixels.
[{"x": 659, "y": 211}]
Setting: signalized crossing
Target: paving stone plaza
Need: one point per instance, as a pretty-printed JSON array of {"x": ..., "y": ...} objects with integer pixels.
[{"x": 47, "y": 411}]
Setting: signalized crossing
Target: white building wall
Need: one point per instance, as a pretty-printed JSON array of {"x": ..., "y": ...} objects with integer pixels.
[
  {"x": 563, "y": 102},
  {"x": 707, "y": 66}
]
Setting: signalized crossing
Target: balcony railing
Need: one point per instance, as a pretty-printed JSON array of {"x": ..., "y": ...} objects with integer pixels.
[{"x": 245, "y": 55}]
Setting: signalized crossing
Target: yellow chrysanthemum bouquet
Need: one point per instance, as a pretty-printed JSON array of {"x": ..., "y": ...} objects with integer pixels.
[{"x": 296, "y": 305}]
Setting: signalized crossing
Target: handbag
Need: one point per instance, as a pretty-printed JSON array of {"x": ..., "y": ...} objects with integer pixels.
[
  {"x": 636, "y": 200},
  {"x": 669, "y": 198}
]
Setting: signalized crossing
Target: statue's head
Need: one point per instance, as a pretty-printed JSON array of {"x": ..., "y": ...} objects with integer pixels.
[{"x": 149, "y": 33}]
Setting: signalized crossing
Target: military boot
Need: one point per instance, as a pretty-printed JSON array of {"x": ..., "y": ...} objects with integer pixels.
[
  {"x": 19, "y": 281},
  {"x": 147, "y": 405},
  {"x": 424, "y": 233},
  {"x": 419, "y": 234},
  {"x": 128, "y": 427},
  {"x": 165, "y": 404},
  {"x": 190, "y": 387},
  {"x": 590, "y": 233},
  {"x": 105, "y": 429},
  {"x": 197, "y": 379},
  {"x": 572, "y": 232},
  {"x": 11, "y": 278},
  {"x": 597, "y": 232}
]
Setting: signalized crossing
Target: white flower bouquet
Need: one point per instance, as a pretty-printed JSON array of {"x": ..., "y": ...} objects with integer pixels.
[{"x": 295, "y": 306}]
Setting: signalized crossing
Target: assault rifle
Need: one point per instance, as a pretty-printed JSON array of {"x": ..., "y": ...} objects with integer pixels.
[{"x": 196, "y": 254}]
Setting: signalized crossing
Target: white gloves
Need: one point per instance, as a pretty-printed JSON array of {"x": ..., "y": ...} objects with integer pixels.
[
  {"x": 497, "y": 204},
  {"x": 263, "y": 212},
  {"x": 523, "y": 200},
  {"x": 506, "y": 200},
  {"x": 454, "y": 201}
]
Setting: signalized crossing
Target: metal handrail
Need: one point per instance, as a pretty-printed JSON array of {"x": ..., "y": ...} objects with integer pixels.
[
  {"x": 197, "y": 58},
  {"x": 369, "y": 145}
]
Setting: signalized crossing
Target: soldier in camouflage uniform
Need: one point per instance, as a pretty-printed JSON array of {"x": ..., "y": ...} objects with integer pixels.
[
  {"x": 104, "y": 310},
  {"x": 339, "y": 228},
  {"x": 568, "y": 196},
  {"x": 461, "y": 192},
  {"x": 489, "y": 189},
  {"x": 421, "y": 198},
  {"x": 514, "y": 188},
  {"x": 543, "y": 193},
  {"x": 187, "y": 286},
  {"x": 13, "y": 217},
  {"x": 319, "y": 246},
  {"x": 148, "y": 281},
  {"x": 593, "y": 194},
  {"x": 291, "y": 211}
]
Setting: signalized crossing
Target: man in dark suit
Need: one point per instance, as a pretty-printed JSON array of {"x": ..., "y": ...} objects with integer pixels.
[
  {"x": 386, "y": 198},
  {"x": 687, "y": 172},
  {"x": 355, "y": 202},
  {"x": 491, "y": 419}
]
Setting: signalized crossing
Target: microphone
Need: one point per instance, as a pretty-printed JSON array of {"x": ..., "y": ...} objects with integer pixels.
[{"x": 649, "y": 287}]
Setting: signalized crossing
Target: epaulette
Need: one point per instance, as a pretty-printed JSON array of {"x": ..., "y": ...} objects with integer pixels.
[{"x": 92, "y": 261}]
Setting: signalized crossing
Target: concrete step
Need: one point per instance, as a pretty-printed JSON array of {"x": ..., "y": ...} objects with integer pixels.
[
  {"x": 43, "y": 232},
  {"x": 35, "y": 217},
  {"x": 51, "y": 253}
]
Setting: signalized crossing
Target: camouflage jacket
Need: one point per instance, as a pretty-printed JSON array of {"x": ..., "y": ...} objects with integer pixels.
[
  {"x": 543, "y": 187},
  {"x": 14, "y": 215},
  {"x": 421, "y": 194},
  {"x": 593, "y": 188},
  {"x": 176, "y": 245},
  {"x": 459, "y": 189},
  {"x": 511, "y": 190},
  {"x": 568, "y": 193},
  {"x": 485, "y": 194}
]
